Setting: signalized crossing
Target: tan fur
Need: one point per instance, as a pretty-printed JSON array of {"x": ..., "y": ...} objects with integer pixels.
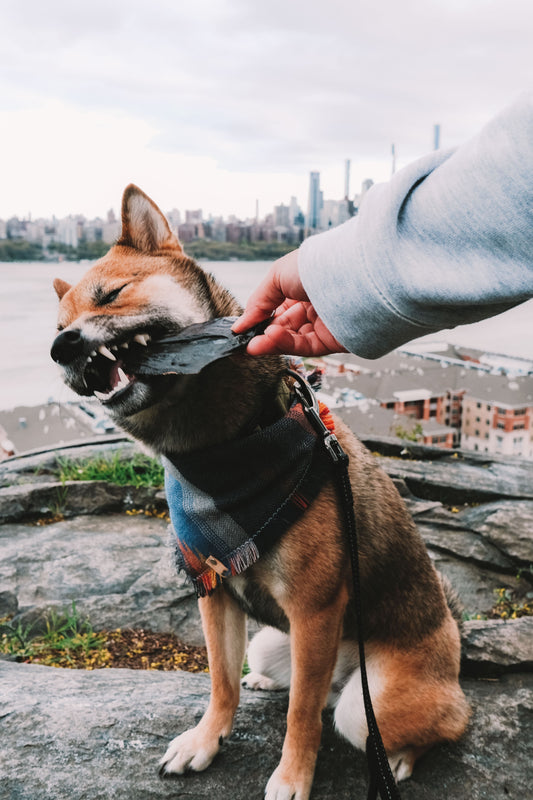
[
  {"x": 303, "y": 585},
  {"x": 422, "y": 703}
]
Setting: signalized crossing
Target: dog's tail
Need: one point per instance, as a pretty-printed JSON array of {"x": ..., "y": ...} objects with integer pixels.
[{"x": 452, "y": 598}]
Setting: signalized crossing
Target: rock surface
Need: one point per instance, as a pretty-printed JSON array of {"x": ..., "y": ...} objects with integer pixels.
[
  {"x": 74, "y": 735},
  {"x": 117, "y": 569},
  {"x": 90, "y": 735},
  {"x": 495, "y": 646}
]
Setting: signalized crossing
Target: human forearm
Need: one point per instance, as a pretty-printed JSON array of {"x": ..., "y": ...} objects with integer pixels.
[{"x": 446, "y": 242}]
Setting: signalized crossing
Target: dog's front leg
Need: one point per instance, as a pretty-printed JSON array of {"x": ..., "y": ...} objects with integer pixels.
[
  {"x": 314, "y": 646},
  {"x": 224, "y": 626}
]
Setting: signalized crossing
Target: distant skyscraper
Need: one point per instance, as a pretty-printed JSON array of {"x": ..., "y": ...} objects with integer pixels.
[
  {"x": 294, "y": 209},
  {"x": 436, "y": 137},
  {"x": 315, "y": 201},
  {"x": 347, "y": 179},
  {"x": 281, "y": 216},
  {"x": 193, "y": 217},
  {"x": 174, "y": 218}
]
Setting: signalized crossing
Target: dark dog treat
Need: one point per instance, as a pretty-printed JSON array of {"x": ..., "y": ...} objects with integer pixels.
[{"x": 196, "y": 346}]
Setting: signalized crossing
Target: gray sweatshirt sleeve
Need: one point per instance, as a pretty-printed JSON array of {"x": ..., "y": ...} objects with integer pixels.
[{"x": 448, "y": 241}]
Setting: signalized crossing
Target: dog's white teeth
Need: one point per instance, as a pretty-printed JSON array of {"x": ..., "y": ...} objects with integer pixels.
[
  {"x": 114, "y": 347},
  {"x": 101, "y": 395},
  {"x": 106, "y": 352},
  {"x": 124, "y": 345},
  {"x": 93, "y": 354},
  {"x": 123, "y": 378},
  {"x": 141, "y": 338},
  {"x": 89, "y": 360}
]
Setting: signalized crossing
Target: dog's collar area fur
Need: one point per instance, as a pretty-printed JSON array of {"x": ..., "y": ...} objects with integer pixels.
[{"x": 229, "y": 504}]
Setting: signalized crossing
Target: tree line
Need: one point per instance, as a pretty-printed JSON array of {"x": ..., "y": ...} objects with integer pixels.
[{"x": 22, "y": 250}]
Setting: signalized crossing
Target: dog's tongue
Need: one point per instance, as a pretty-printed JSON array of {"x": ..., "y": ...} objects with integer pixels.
[{"x": 192, "y": 349}]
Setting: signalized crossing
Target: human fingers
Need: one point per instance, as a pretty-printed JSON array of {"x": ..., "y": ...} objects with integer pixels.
[
  {"x": 281, "y": 341},
  {"x": 299, "y": 331},
  {"x": 302, "y": 318},
  {"x": 281, "y": 282}
]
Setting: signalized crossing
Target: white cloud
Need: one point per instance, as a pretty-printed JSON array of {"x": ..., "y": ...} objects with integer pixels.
[
  {"x": 68, "y": 160},
  {"x": 216, "y": 103}
]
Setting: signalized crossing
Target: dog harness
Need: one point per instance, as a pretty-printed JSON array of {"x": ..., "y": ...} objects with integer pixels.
[{"x": 230, "y": 503}]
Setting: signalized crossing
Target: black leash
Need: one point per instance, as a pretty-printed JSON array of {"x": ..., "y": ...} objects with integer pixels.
[{"x": 381, "y": 778}]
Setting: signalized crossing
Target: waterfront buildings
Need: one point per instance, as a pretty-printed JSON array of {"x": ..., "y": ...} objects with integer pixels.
[
  {"x": 286, "y": 223},
  {"x": 449, "y": 397}
]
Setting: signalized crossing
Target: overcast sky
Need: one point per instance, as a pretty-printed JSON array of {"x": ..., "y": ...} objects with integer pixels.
[{"x": 214, "y": 103}]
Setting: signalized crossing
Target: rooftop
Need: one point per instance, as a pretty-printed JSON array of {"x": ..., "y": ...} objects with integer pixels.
[
  {"x": 501, "y": 389},
  {"x": 54, "y": 424}
]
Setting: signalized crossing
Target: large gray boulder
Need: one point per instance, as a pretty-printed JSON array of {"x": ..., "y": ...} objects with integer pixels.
[
  {"x": 495, "y": 646},
  {"x": 118, "y": 569},
  {"x": 75, "y": 735}
]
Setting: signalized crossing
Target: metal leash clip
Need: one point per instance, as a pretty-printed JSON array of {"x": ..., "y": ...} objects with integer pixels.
[{"x": 306, "y": 395}]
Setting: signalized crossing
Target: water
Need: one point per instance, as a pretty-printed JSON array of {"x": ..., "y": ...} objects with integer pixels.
[
  {"x": 28, "y": 307},
  {"x": 28, "y": 310}
]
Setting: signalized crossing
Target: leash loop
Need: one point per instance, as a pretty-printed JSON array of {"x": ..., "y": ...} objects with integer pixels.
[{"x": 381, "y": 777}]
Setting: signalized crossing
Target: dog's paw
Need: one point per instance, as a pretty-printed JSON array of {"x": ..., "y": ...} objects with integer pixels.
[
  {"x": 254, "y": 680},
  {"x": 192, "y": 750},
  {"x": 280, "y": 788},
  {"x": 401, "y": 764}
]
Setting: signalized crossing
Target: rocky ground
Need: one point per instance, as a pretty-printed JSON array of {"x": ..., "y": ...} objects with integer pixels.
[{"x": 77, "y": 734}]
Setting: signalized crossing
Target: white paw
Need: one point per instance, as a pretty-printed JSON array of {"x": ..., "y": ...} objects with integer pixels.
[
  {"x": 254, "y": 680},
  {"x": 191, "y": 750},
  {"x": 401, "y": 765},
  {"x": 279, "y": 789}
]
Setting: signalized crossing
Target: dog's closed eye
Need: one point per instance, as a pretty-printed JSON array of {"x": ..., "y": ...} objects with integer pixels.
[{"x": 101, "y": 298}]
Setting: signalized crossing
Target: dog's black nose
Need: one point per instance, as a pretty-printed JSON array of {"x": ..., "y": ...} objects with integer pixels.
[{"x": 67, "y": 346}]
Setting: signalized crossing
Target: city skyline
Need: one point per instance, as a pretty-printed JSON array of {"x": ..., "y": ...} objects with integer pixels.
[
  {"x": 311, "y": 207},
  {"x": 314, "y": 213},
  {"x": 221, "y": 103}
]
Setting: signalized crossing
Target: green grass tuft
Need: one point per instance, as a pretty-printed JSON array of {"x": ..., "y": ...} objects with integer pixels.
[
  {"x": 68, "y": 641},
  {"x": 139, "y": 470}
]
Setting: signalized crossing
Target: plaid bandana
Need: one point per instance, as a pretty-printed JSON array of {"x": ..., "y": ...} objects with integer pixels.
[{"x": 230, "y": 504}]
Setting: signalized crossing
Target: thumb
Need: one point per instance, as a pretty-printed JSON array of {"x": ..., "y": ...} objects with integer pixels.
[
  {"x": 282, "y": 282},
  {"x": 261, "y": 303}
]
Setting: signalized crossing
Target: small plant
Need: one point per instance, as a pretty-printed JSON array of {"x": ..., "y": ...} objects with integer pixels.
[
  {"x": 467, "y": 616},
  {"x": 16, "y": 639},
  {"x": 148, "y": 512},
  {"x": 413, "y": 435},
  {"x": 507, "y": 608},
  {"x": 139, "y": 470},
  {"x": 68, "y": 641}
]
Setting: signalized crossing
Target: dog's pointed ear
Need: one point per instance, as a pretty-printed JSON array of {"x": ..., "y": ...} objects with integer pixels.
[
  {"x": 61, "y": 287},
  {"x": 143, "y": 225}
]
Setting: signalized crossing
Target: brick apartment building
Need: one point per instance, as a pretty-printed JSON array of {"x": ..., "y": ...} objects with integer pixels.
[
  {"x": 394, "y": 401},
  {"x": 497, "y": 415},
  {"x": 453, "y": 405}
]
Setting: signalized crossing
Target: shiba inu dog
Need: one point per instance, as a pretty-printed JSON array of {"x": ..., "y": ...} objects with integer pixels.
[{"x": 146, "y": 288}]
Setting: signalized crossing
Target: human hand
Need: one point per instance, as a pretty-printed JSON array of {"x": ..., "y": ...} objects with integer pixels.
[{"x": 296, "y": 328}]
